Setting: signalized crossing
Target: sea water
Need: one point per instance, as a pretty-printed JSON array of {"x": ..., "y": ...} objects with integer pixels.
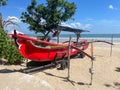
[{"x": 89, "y": 37}]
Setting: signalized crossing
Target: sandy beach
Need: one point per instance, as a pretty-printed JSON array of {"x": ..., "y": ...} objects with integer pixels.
[{"x": 106, "y": 76}]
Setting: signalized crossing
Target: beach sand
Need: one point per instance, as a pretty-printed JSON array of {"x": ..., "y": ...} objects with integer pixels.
[{"x": 106, "y": 76}]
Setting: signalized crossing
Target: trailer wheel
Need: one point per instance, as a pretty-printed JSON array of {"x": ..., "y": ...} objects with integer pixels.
[
  {"x": 62, "y": 66},
  {"x": 80, "y": 55}
]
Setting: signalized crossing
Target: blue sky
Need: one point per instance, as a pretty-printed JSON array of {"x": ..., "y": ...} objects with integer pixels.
[{"x": 97, "y": 16}]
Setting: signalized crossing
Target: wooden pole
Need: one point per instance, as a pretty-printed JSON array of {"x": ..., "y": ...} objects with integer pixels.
[
  {"x": 92, "y": 64},
  {"x": 92, "y": 49},
  {"x": 111, "y": 45},
  {"x": 69, "y": 48},
  {"x": 92, "y": 71},
  {"x": 78, "y": 36},
  {"x": 58, "y": 39}
]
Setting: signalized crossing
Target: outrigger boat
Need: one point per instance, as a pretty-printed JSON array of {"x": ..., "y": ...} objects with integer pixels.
[
  {"x": 41, "y": 51},
  {"x": 46, "y": 51},
  {"x": 51, "y": 54}
]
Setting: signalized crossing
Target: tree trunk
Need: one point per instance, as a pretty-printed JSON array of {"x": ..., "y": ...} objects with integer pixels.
[
  {"x": 46, "y": 35},
  {"x": 1, "y": 26}
]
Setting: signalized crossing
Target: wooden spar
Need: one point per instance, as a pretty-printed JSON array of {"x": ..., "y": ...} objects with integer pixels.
[
  {"x": 92, "y": 72},
  {"x": 102, "y": 41},
  {"x": 92, "y": 68},
  {"x": 91, "y": 49},
  {"x": 78, "y": 36},
  {"x": 58, "y": 39},
  {"x": 69, "y": 48},
  {"x": 82, "y": 52},
  {"x": 111, "y": 45},
  {"x": 15, "y": 38}
]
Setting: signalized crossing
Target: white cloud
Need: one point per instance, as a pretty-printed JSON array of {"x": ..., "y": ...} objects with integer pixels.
[
  {"x": 87, "y": 26},
  {"x": 112, "y": 7},
  {"x": 65, "y": 24},
  {"x": 77, "y": 25},
  {"x": 90, "y": 19},
  {"x": 13, "y": 19},
  {"x": 20, "y": 9}
]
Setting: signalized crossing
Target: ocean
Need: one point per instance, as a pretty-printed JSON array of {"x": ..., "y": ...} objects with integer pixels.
[{"x": 89, "y": 37}]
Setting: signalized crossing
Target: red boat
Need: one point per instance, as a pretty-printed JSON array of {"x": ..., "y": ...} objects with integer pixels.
[
  {"x": 41, "y": 50},
  {"x": 45, "y": 51},
  {"x": 51, "y": 54}
]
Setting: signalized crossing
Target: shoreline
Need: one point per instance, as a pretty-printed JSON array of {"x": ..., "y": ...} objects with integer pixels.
[{"x": 62, "y": 39}]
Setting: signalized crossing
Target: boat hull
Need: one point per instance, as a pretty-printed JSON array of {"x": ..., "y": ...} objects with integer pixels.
[
  {"x": 46, "y": 51},
  {"x": 42, "y": 54}
]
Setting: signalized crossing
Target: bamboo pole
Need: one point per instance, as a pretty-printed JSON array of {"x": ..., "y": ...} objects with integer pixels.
[
  {"x": 111, "y": 45},
  {"x": 69, "y": 48},
  {"x": 92, "y": 49},
  {"x": 92, "y": 65},
  {"x": 58, "y": 39}
]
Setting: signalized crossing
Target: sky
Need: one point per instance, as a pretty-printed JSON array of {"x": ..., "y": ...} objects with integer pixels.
[{"x": 97, "y": 16}]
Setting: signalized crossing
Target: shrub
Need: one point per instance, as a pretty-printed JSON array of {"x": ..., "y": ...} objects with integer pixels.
[{"x": 8, "y": 50}]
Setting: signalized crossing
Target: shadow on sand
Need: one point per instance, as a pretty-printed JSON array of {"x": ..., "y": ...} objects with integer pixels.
[
  {"x": 66, "y": 79},
  {"x": 6, "y": 71},
  {"x": 117, "y": 69},
  {"x": 9, "y": 71},
  {"x": 115, "y": 85}
]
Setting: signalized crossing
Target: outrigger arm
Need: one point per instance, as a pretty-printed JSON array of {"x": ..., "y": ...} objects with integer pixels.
[{"x": 81, "y": 51}]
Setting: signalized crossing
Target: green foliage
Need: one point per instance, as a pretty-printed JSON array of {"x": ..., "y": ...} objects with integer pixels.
[
  {"x": 42, "y": 18},
  {"x": 8, "y": 50},
  {"x": 3, "y": 2}
]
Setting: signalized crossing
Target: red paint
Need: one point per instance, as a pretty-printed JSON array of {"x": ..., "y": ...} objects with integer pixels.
[{"x": 41, "y": 54}]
